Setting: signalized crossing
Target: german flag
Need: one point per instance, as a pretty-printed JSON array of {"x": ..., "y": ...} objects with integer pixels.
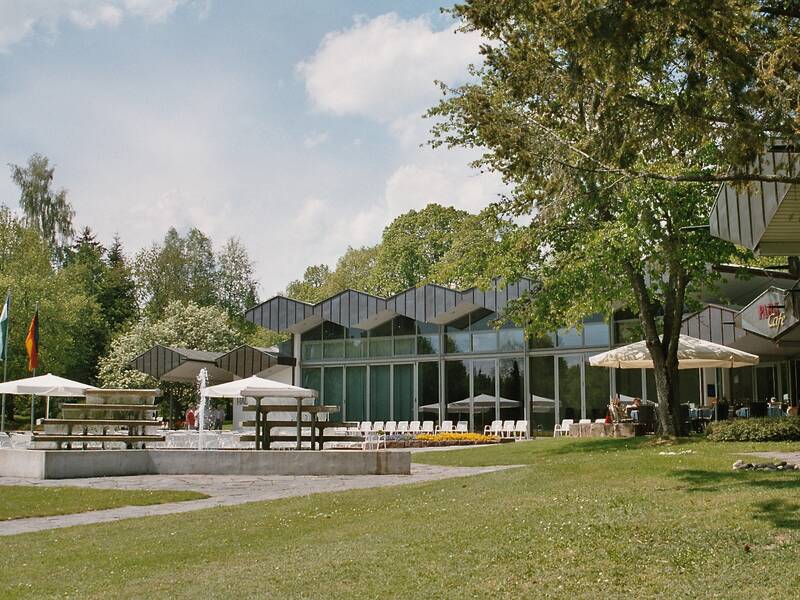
[{"x": 32, "y": 342}]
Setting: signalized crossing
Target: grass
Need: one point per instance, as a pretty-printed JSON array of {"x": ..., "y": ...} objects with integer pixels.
[
  {"x": 580, "y": 519},
  {"x": 21, "y": 501}
]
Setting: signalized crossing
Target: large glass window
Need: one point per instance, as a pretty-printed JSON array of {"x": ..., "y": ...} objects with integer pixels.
[
  {"x": 512, "y": 389},
  {"x": 627, "y": 332},
  {"x": 629, "y": 383},
  {"x": 484, "y": 335},
  {"x": 456, "y": 388},
  {"x": 428, "y": 390},
  {"x": 569, "y": 386},
  {"x": 333, "y": 392},
  {"x": 568, "y": 338},
  {"x": 597, "y": 392},
  {"x": 355, "y": 345},
  {"x": 543, "y": 393},
  {"x": 427, "y": 338},
  {"x": 356, "y": 399},
  {"x": 380, "y": 340},
  {"x": 742, "y": 383},
  {"x": 312, "y": 379},
  {"x": 766, "y": 384},
  {"x": 484, "y": 402},
  {"x": 457, "y": 338},
  {"x": 595, "y": 331},
  {"x": 511, "y": 340},
  {"x": 689, "y": 386},
  {"x": 379, "y": 392},
  {"x": 403, "y": 380},
  {"x": 547, "y": 340}
]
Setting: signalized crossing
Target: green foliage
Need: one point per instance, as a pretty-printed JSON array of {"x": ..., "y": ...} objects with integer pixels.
[
  {"x": 66, "y": 310},
  {"x": 46, "y": 210},
  {"x": 183, "y": 324},
  {"x": 408, "y": 254},
  {"x": 186, "y": 268},
  {"x": 627, "y": 89},
  {"x": 756, "y": 430},
  {"x": 411, "y": 246}
]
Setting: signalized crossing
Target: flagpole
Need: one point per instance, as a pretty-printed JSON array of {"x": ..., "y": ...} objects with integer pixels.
[
  {"x": 36, "y": 316},
  {"x": 5, "y": 365}
]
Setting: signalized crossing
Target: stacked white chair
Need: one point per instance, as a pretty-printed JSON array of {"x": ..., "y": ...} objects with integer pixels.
[
  {"x": 462, "y": 427},
  {"x": 496, "y": 428},
  {"x": 563, "y": 428},
  {"x": 414, "y": 427},
  {"x": 390, "y": 427},
  {"x": 427, "y": 427},
  {"x": 508, "y": 428},
  {"x": 377, "y": 426},
  {"x": 402, "y": 427},
  {"x": 445, "y": 427},
  {"x": 521, "y": 430}
]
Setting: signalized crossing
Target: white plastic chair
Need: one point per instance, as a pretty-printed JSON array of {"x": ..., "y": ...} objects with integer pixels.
[
  {"x": 508, "y": 428},
  {"x": 445, "y": 427},
  {"x": 390, "y": 427},
  {"x": 462, "y": 427},
  {"x": 414, "y": 427},
  {"x": 377, "y": 426},
  {"x": 599, "y": 420},
  {"x": 374, "y": 439},
  {"x": 427, "y": 427},
  {"x": 562, "y": 429},
  {"x": 365, "y": 428},
  {"x": 521, "y": 430},
  {"x": 402, "y": 427},
  {"x": 496, "y": 428}
]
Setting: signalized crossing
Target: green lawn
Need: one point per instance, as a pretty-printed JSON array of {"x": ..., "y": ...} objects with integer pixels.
[
  {"x": 20, "y": 501},
  {"x": 582, "y": 519}
]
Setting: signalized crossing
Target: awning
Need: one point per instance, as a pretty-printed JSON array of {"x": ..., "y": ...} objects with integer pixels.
[
  {"x": 692, "y": 354},
  {"x": 247, "y": 360}
]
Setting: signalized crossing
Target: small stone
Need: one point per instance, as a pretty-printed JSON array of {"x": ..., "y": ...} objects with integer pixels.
[{"x": 739, "y": 464}]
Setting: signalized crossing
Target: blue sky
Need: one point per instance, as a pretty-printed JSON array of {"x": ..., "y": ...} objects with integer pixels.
[{"x": 294, "y": 125}]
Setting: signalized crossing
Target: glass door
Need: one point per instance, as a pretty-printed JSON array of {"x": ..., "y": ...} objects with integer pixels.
[{"x": 403, "y": 397}]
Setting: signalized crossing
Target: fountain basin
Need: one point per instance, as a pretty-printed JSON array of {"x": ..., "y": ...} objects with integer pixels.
[{"x": 68, "y": 464}]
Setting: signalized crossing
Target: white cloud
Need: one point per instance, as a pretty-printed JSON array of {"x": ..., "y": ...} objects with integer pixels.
[
  {"x": 312, "y": 140},
  {"x": 385, "y": 68},
  {"x": 21, "y": 18}
]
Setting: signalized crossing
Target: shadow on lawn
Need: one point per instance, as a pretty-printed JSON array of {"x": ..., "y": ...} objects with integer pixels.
[
  {"x": 598, "y": 444},
  {"x": 701, "y": 480},
  {"x": 779, "y": 513}
]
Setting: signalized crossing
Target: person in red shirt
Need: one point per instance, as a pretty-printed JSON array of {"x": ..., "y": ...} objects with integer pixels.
[{"x": 190, "y": 417}]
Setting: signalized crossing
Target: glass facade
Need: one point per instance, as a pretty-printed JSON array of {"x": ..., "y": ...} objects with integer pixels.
[{"x": 474, "y": 369}]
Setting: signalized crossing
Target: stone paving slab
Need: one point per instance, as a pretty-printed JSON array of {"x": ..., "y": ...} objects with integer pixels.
[{"x": 223, "y": 490}]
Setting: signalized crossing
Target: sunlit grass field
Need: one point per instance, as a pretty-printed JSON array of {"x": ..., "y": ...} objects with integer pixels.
[
  {"x": 20, "y": 501},
  {"x": 579, "y": 519}
]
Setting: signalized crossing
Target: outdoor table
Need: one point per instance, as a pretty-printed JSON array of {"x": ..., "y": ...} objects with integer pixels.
[{"x": 299, "y": 408}]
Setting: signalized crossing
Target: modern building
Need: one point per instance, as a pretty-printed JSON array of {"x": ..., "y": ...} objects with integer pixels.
[{"x": 429, "y": 352}]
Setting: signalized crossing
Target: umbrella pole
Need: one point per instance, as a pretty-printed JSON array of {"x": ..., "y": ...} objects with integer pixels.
[
  {"x": 5, "y": 375},
  {"x": 32, "y": 415},
  {"x": 47, "y": 407}
]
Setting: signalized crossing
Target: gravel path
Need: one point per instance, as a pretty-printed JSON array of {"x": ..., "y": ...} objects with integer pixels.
[{"x": 223, "y": 490}]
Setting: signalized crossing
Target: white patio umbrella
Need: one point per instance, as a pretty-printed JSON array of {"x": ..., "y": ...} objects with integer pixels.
[
  {"x": 44, "y": 385},
  {"x": 481, "y": 402},
  {"x": 257, "y": 387},
  {"x": 693, "y": 353}
]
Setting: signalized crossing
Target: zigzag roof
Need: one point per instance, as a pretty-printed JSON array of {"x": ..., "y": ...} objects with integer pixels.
[{"x": 429, "y": 303}]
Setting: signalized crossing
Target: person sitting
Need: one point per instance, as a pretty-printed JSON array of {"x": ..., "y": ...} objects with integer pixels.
[
  {"x": 616, "y": 410},
  {"x": 632, "y": 410}
]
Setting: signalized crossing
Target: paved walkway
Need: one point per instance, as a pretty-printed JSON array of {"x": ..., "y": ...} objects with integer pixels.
[
  {"x": 223, "y": 490},
  {"x": 789, "y": 457}
]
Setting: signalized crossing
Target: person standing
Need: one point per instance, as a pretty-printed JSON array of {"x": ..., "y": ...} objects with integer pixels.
[{"x": 190, "y": 417}]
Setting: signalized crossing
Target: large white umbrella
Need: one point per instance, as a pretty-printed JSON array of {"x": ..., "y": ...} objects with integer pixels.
[
  {"x": 44, "y": 385},
  {"x": 257, "y": 387},
  {"x": 692, "y": 354},
  {"x": 481, "y": 402}
]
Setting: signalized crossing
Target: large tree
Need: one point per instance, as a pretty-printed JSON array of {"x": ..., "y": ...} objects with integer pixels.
[
  {"x": 611, "y": 121},
  {"x": 45, "y": 208}
]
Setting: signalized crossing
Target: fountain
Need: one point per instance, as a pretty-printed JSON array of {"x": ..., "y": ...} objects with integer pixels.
[{"x": 202, "y": 383}]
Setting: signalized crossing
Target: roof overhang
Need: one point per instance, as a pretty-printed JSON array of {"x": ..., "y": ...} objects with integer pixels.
[
  {"x": 761, "y": 216},
  {"x": 181, "y": 365},
  {"x": 246, "y": 361}
]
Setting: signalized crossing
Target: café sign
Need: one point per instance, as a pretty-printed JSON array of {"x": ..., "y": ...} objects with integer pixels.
[{"x": 767, "y": 315}]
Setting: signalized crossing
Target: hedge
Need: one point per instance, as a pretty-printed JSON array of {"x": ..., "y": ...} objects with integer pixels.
[{"x": 775, "y": 429}]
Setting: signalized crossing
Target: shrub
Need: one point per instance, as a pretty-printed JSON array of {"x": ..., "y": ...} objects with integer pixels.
[{"x": 756, "y": 430}]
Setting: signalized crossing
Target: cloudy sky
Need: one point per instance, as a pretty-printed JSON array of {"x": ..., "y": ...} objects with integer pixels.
[{"x": 293, "y": 124}]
